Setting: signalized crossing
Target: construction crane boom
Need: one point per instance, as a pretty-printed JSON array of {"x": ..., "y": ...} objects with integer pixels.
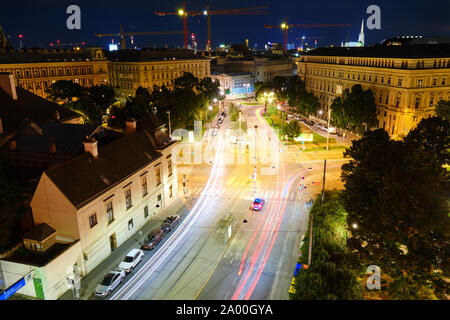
[
  {"x": 122, "y": 34},
  {"x": 184, "y": 14},
  {"x": 285, "y": 26}
]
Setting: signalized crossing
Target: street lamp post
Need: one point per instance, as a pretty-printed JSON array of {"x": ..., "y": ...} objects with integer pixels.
[
  {"x": 254, "y": 172},
  {"x": 210, "y": 111},
  {"x": 170, "y": 128},
  {"x": 328, "y": 125}
]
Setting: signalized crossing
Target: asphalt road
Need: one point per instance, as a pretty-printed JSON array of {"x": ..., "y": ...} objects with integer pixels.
[{"x": 207, "y": 257}]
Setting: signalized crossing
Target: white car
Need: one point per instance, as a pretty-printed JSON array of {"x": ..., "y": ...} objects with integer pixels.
[
  {"x": 110, "y": 282},
  {"x": 131, "y": 260},
  {"x": 332, "y": 130}
]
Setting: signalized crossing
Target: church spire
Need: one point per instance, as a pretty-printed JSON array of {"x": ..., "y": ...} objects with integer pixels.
[{"x": 361, "y": 34}]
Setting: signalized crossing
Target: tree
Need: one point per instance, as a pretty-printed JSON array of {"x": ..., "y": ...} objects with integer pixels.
[
  {"x": 293, "y": 128},
  {"x": 432, "y": 135},
  {"x": 443, "y": 109},
  {"x": 308, "y": 103},
  {"x": 354, "y": 108},
  {"x": 64, "y": 91},
  {"x": 398, "y": 198},
  {"x": 103, "y": 96},
  {"x": 12, "y": 206},
  {"x": 93, "y": 114},
  {"x": 327, "y": 278}
]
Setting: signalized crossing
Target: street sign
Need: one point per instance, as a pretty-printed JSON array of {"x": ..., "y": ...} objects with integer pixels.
[{"x": 12, "y": 289}]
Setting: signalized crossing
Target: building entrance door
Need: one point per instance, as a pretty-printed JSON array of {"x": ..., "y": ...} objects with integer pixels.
[{"x": 113, "y": 241}]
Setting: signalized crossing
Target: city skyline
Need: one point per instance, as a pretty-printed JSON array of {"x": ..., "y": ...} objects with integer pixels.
[{"x": 100, "y": 17}]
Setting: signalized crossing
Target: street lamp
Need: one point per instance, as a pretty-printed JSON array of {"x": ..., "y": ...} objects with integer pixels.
[
  {"x": 355, "y": 226},
  {"x": 170, "y": 128},
  {"x": 328, "y": 125},
  {"x": 210, "y": 110}
]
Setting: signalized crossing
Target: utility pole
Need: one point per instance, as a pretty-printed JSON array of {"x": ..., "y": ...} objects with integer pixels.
[
  {"x": 328, "y": 125},
  {"x": 311, "y": 218},
  {"x": 254, "y": 172},
  {"x": 170, "y": 128},
  {"x": 208, "y": 18}
]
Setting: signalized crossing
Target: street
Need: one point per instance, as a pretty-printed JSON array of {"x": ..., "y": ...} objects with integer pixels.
[{"x": 254, "y": 256}]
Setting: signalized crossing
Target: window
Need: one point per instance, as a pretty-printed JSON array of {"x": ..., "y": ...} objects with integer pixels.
[
  {"x": 431, "y": 101},
  {"x": 110, "y": 212},
  {"x": 93, "y": 220},
  {"x": 170, "y": 192},
  {"x": 376, "y": 78},
  {"x": 145, "y": 212},
  {"x": 387, "y": 99},
  {"x": 400, "y": 82},
  {"x": 389, "y": 80},
  {"x": 169, "y": 167},
  {"x": 397, "y": 101},
  {"x": 434, "y": 82},
  {"x": 380, "y": 98},
  {"x": 158, "y": 176},
  {"x": 144, "y": 185},
  {"x": 128, "y": 198},
  {"x": 419, "y": 83},
  {"x": 130, "y": 224},
  {"x": 416, "y": 105},
  {"x": 382, "y": 79},
  {"x": 370, "y": 77},
  {"x": 443, "y": 81}
]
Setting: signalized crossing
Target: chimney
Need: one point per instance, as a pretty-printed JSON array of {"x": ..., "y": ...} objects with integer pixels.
[
  {"x": 90, "y": 146},
  {"x": 131, "y": 126},
  {"x": 7, "y": 83},
  {"x": 12, "y": 144},
  {"x": 52, "y": 146},
  {"x": 1, "y": 126}
]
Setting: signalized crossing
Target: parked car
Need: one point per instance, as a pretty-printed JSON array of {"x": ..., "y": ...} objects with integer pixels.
[
  {"x": 216, "y": 126},
  {"x": 214, "y": 132},
  {"x": 224, "y": 114},
  {"x": 131, "y": 260},
  {"x": 170, "y": 223},
  {"x": 332, "y": 130},
  {"x": 110, "y": 282},
  {"x": 153, "y": 238},
  {"x": 220, "y": 120}
]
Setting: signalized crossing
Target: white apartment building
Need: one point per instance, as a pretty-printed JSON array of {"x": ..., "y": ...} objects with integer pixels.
[{"x": 103, "y": 197}]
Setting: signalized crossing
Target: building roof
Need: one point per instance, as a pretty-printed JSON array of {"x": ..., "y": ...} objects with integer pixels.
[
  {"x": 33, "y": 140},
  {"x": 32, "y": 107},
  {"x": 83, "y": 178},
  {"x": 441, "y": 50},
  {"x": 156, "y": 129},
  {"x": 146, "y": 55},
  {"x": 42, "y": 55},
  {"x": 39, "y": 233}
]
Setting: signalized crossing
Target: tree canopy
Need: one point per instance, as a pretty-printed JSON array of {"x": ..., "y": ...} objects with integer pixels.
[
  {"x": 399, "y": 200},
  {"x": 443, "y": 109},
  {"x": 354, "y": 108}
]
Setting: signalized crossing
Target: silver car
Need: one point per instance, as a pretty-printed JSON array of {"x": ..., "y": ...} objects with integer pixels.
[{"x": 110, "y": 282}]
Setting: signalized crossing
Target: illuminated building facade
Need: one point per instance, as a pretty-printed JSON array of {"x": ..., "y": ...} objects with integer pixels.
[
  {"x": 407, "y": 80},
  {"x": 130, "y": 69},
  {"x": 36, "y": 69}
]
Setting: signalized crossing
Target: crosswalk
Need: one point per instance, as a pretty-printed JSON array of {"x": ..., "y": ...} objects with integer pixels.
[{"x": 267, "y": 194}]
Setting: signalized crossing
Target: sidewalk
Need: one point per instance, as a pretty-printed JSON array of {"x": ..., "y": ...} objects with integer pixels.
[{"x": 90, "y": 281}]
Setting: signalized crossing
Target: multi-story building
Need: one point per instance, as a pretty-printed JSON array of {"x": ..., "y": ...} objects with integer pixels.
[
  {"x": 406, "y": 80},
  {"x": 36, "y": 69},
  {"x": 262, "y": 69},
  {"x": 235, "y": 85},
  {"x": 130, "y": 69},
  {"x": 103, "y": 197}
]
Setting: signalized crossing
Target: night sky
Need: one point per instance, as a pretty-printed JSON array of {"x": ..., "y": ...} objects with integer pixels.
[{"x": 44, "y": 21}]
